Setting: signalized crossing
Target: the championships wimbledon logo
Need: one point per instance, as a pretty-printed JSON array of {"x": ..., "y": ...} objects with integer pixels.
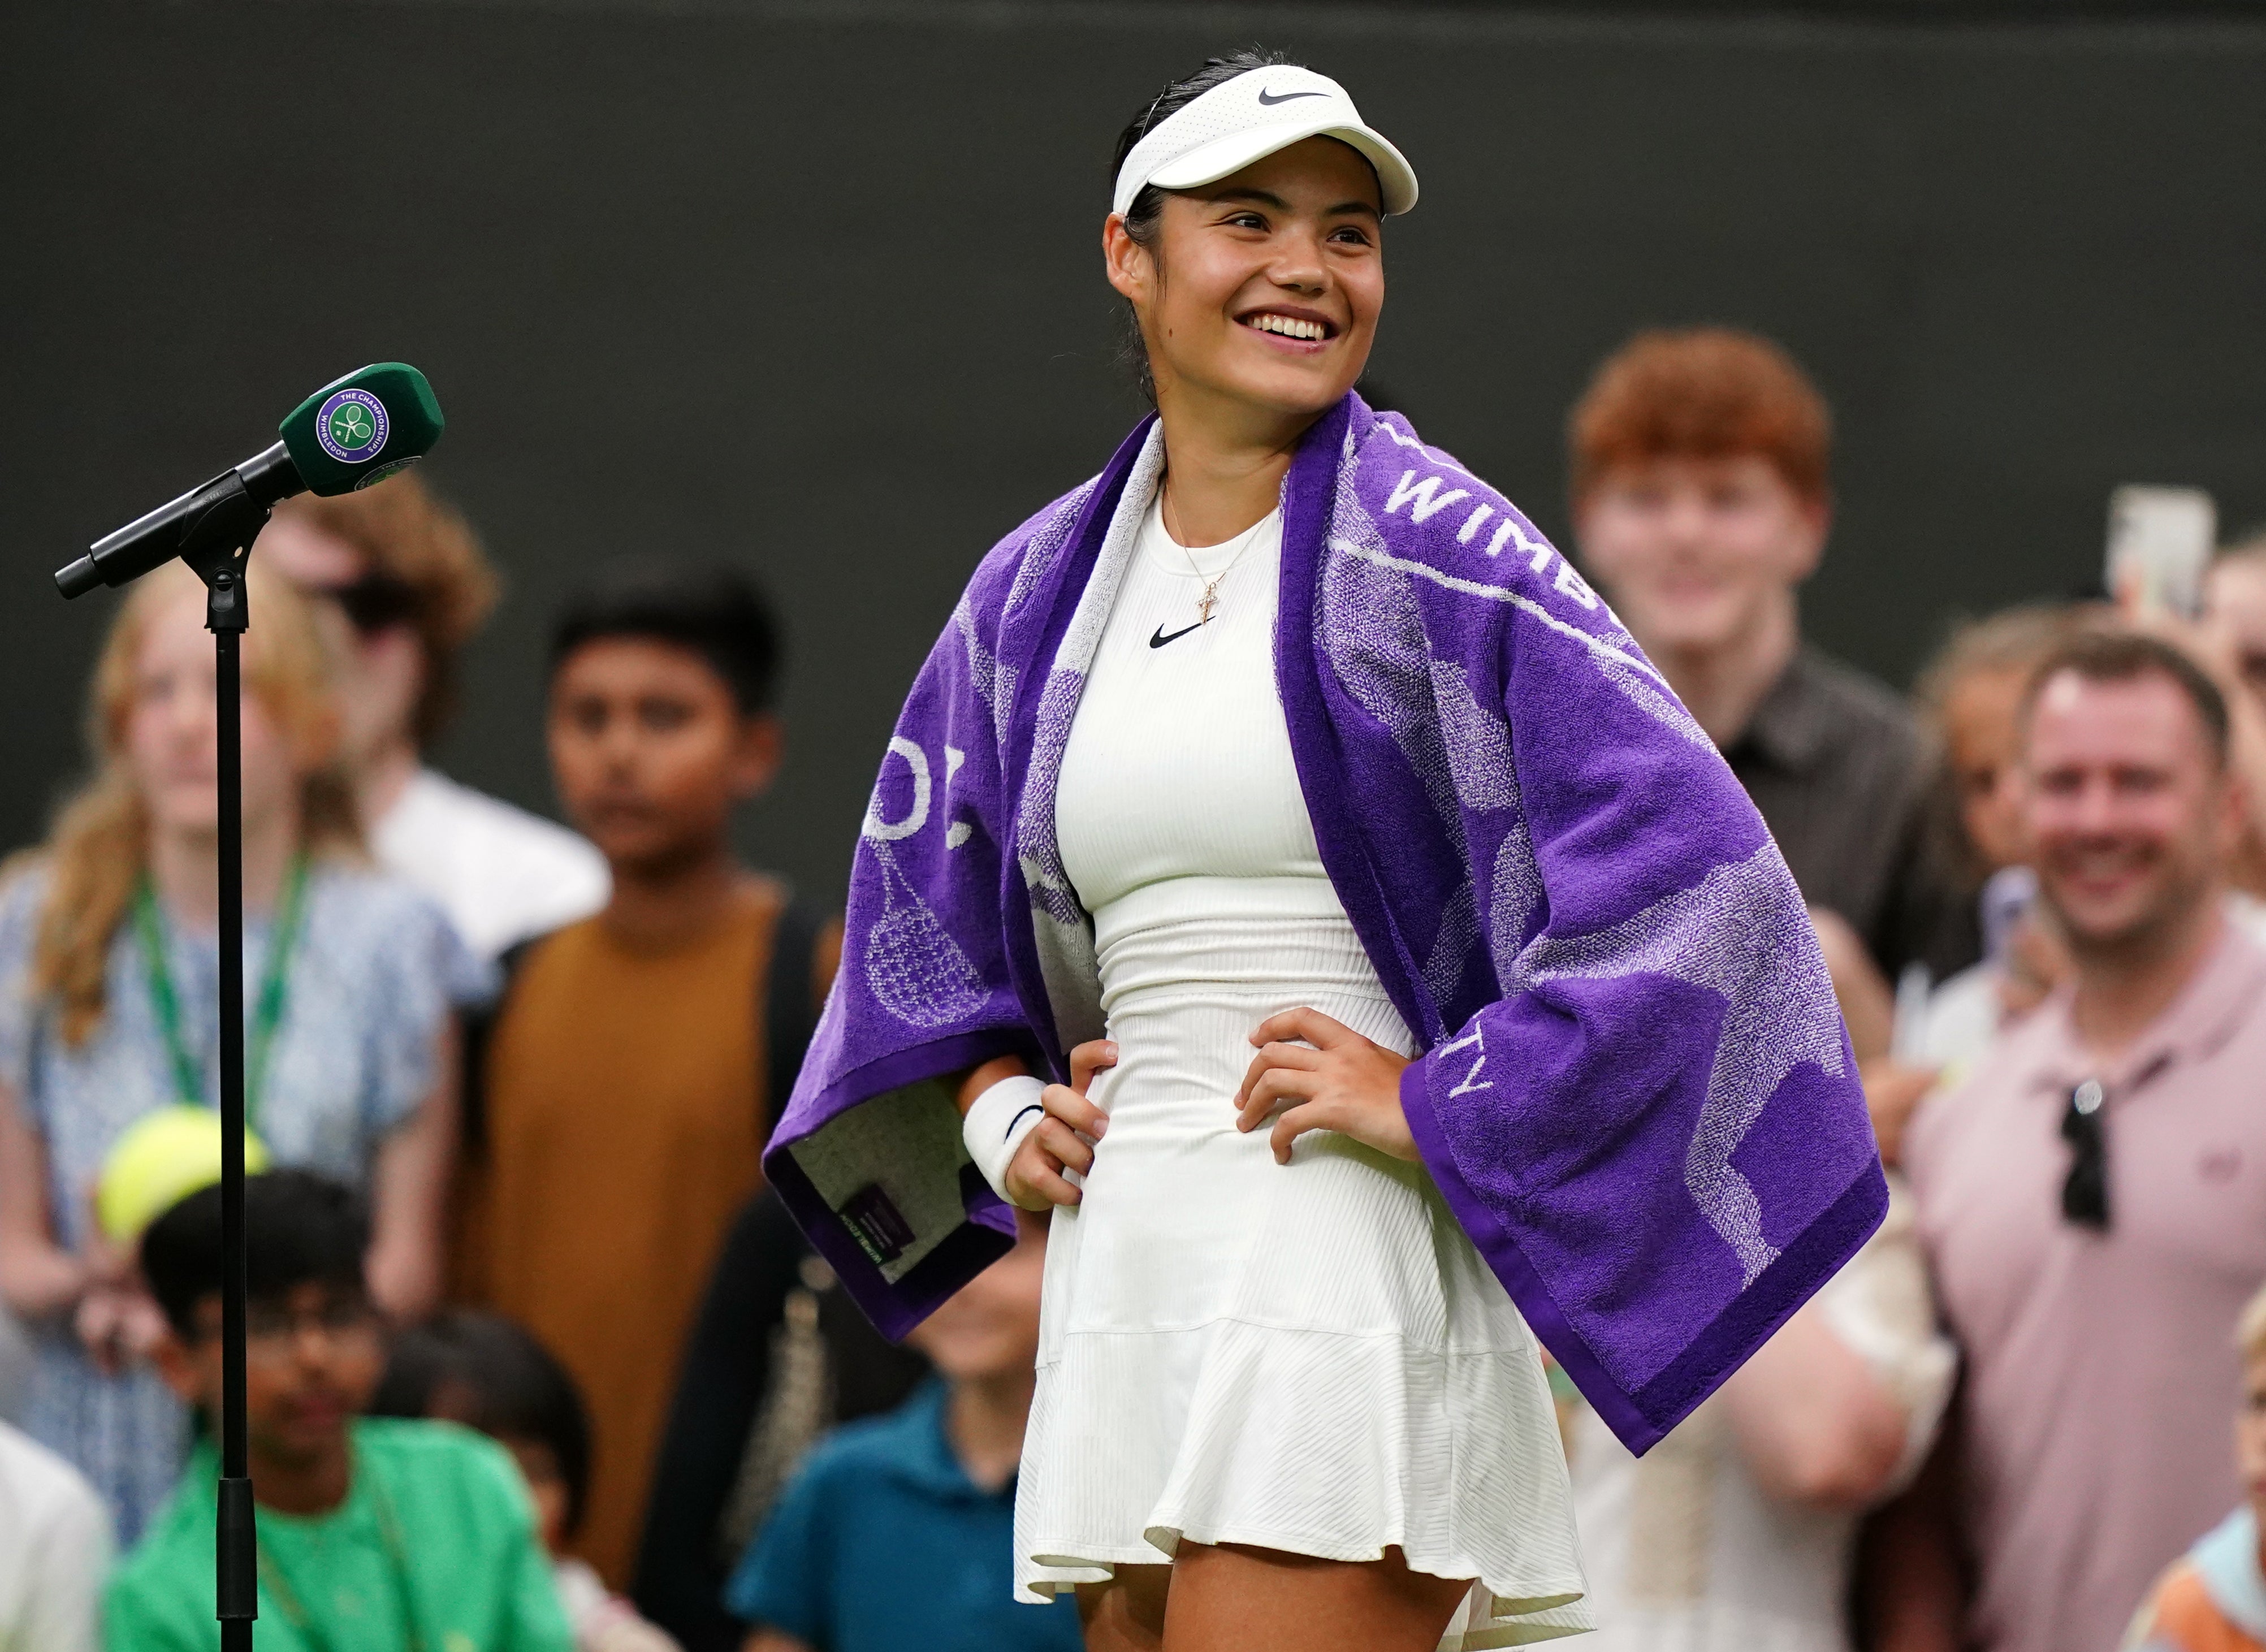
[
  {"x": 351, "y": 426},
  {"x": 377, "y": 473}
]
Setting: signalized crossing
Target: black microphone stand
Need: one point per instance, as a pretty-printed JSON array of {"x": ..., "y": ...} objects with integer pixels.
[{"x": 214, "y": 542}]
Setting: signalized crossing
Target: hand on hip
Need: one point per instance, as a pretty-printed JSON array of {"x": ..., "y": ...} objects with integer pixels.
[{"x": 1313, "y": 1073}]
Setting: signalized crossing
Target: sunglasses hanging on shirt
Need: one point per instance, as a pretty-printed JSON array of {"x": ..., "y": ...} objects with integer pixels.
[{"x": 2085, "y": 1190}]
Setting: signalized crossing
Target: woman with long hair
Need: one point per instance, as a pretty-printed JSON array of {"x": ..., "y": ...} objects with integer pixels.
[
  {"x": 1413, "y": 971},
  {"x": 109, "y": 1007}
]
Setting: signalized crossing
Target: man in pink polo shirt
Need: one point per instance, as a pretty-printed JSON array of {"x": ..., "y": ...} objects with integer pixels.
[{"x": 2093, "y": 1197}]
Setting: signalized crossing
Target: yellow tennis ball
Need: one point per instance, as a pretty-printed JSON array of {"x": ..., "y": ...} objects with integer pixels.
[{"x": 160, "y": 1160}]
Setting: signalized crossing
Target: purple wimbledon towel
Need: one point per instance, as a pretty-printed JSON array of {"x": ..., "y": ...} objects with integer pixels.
[{"x": 1637, "y": 1092}]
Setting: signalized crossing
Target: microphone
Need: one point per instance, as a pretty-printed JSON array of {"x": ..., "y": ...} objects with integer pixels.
[{"x": 352, "y": 432}]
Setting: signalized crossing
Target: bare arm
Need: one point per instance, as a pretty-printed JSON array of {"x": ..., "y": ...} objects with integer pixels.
[
  {"x": 38, "y": 1277},
  {"x": 1893, "y": 1092},
  {"x": 409, "y": 1190},
  {"x": 982, "y": 1078},
  {"x": 1868, "y": 1003},
  {"x": 1813, "y": 1423}
]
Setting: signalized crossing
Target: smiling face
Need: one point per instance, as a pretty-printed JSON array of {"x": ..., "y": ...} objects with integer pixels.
[
  {"x": 1693, "y": 551},
  {"x": 2128, "y": 812},
  {"x": 1260, "y": 293}
]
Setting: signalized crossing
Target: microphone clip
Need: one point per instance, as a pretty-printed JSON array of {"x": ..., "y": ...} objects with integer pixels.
[{"x": 215, "y": 541}]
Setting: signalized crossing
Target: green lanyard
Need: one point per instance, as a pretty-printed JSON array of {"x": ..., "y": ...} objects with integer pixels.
[{"x": 267, "y": 1011}]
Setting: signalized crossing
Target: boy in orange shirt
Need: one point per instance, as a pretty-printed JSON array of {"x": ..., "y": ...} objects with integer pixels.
[{"x": 625, "y": 1087}]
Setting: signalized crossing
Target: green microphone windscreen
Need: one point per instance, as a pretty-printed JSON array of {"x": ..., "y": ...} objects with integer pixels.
[{"x": 363, "y": 427}]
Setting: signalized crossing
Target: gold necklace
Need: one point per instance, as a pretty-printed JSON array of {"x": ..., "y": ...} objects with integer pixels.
[{"x": 1209, "y": 600}]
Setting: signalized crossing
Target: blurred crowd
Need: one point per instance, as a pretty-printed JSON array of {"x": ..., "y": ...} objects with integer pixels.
[{"x": 536, "y": 1362}]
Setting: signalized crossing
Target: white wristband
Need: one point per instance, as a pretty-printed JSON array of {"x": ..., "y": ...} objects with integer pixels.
[{"x": 996, "y": 1125}]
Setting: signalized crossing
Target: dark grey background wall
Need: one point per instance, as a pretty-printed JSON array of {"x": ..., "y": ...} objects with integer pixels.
[{"x": 814, "y": 287}]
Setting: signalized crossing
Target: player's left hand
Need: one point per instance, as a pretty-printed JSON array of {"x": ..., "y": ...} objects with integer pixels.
[{"x": 1329, "y": 1078}]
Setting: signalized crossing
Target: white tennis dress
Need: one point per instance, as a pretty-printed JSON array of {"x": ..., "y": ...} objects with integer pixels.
[{"x": 1310, "y": 1357}]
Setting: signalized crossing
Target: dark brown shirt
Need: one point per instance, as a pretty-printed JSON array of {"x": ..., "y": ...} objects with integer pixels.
[
  {"x": 1832, "y": 760},
  {"x": 624, "y": 1119}
]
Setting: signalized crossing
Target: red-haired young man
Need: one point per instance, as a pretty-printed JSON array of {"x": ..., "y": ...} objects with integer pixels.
[{"x": 1699, "y": 464}]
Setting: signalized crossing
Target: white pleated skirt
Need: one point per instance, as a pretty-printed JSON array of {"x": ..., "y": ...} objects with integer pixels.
[{"x": 1309, "y": 1357}]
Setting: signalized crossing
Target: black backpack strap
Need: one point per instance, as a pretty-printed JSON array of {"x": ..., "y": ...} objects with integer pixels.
[
  {"x": 790, "y": 1006},
  {"x": 723, "y": 1376},
  {"x": 478, "y": 1033}
]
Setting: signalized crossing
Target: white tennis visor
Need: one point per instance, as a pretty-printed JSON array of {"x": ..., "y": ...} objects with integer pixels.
[{"x": 1249, "y": 118}]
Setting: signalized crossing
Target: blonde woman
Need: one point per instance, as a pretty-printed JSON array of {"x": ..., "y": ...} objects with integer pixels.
[{"x": 109, "y": 1005}]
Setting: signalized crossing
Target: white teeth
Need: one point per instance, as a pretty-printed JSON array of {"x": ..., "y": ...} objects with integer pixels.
[{"x": 1289, "y": 327}]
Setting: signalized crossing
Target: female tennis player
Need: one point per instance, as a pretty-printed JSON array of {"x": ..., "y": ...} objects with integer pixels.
[{"x": 1414, "y": 972}]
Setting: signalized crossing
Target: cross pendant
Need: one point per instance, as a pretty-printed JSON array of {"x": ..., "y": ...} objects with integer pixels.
[{"x": 1205, "y": 606}]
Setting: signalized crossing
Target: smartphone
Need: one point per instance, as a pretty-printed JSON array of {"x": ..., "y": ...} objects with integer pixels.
[{"x": 2159, "y": 543}]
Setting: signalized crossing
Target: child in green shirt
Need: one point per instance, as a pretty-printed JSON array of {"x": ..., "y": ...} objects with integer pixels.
[{"x": 373, "y": 1536}]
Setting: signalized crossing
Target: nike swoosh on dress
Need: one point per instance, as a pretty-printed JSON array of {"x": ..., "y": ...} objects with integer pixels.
[{"x": 1159, "y": 638}]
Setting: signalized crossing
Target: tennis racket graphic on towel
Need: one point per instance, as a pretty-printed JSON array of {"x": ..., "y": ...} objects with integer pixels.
[{"x": 913, "y": 967}]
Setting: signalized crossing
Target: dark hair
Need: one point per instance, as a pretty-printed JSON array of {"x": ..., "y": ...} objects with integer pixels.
[
  {"x": 1140, "y": 217},
  {"x": 715, "y": 611},
  {"x": 2123, "y": 656},
  {"x": 493, "y": 1374},
  {"x": 299, "y": 1228}
]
